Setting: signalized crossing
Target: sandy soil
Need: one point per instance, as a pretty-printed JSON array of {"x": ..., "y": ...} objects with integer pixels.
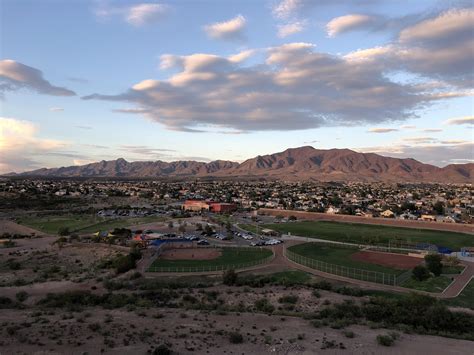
[
  {"x": 191, "y": 254},
  {"x": 98, "y": 331},
  {"x": 397, "y": 261},
  {"x": 11, "y": 227}
]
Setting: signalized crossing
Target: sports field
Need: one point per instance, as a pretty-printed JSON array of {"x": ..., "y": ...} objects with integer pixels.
[
  {"x": 372, "y": 234},
  {"x": 341, "y": 256},
  {"x": 82, "y": 223},
  {"x": 226, "y": 258}
]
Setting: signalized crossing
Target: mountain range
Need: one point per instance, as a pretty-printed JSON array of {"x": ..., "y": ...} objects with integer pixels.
[{"x": 294, "y": 164}]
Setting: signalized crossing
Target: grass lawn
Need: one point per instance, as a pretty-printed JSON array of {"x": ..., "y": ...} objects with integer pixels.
[
  {"x": 230, "y": 256},
  {"x": 371, "y": 234},
  {"x": 82, "y": 223},
  {"x": 51, "y": 224},
  {"x": 433, "y": 284},
  {"x": 296, "y": 276},
  {"x": 338, "y": 256},
  {"x": 465, "y": 298},
  {"x": 450, "y": 270}
]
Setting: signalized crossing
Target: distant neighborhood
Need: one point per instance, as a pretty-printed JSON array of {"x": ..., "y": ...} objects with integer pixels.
[{"x": 439, "y": 203}]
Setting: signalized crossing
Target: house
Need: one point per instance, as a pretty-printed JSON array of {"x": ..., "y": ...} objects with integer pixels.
[
  {"x": 387, "y": 214},
  {"x": 408, "y": 216},
  {"x": 428, "y": 218},
  {"x": 332, "y": 210}
]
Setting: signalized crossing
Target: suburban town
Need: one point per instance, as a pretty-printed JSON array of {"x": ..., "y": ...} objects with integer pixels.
[{"x": 271, "y": 177}]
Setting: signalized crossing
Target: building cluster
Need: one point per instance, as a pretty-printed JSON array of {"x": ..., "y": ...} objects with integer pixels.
[{"x": 437, "y": 202}]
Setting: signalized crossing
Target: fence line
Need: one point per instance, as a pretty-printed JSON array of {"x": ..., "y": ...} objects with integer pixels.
[
  {"x": 340, "y": 270},
  {"x": 210, "y": 268}
]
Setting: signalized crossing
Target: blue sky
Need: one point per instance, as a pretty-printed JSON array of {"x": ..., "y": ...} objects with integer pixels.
[{"x": 366, "y": 75}]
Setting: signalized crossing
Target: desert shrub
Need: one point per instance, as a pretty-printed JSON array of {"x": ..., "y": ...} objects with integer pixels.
[
  {"x": 21, "y": 296},
  {"x": 63, "y": 231},
  {"x": 291, "y": 299},
  {"x": 420, "y": 273},
  {"x": 348, "y": 334},
  {"x": 385, "y": 340},
  {"x": 264, "y": 305},
  {"x": 323, "y": 285},
  {"x": 162, "y": 349},
  {"x": 229, "y": 277},
  {"x": 236, "y": 338}
]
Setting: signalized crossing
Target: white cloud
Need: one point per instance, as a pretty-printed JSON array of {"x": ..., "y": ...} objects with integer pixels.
[
  {"x": 407, "y": 126},
  {"x": 227, "y": 30},
  {"x": 460, "y": 120},
  {"x": 287, "y": 8},
  {"x": 452, "y": 23},
  {"x": 291, "y": 28},
  {"x": 142, "y": 14},
  {"x": 15, "y": 75},
  {"x": 419, "y": 140},
  {"x": 18, "y": 141},
  {"x": 137, "y": 15},
  {"x": 432, "y": 130},
  {"x": 382, "y": 130},
  {"x": 295, "y": 87},
  {"x": 346, "y": 23},
  {"x": 56, "y": 109},
  {"x": 439, "y": 154}
]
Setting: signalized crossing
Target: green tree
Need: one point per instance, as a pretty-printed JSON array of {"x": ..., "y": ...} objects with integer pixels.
[
  {"x": 420, "y": 273},
  {"x": 433, "y": 263}
]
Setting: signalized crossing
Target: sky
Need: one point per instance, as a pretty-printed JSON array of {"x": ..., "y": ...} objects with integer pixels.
[{"x": 84, "y": 81}]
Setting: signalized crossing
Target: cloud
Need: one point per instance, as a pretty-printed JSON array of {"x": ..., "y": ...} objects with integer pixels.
[
  {"x": 130, "y": 110},
  {"x": 15, "y": 76},
  {"x": 143, "y": 14},
  {"x": 56, "y": 109},
  {"x": 227, "y": 30},
  {"x": 440, "y": 48},
  {"x": 382, "y": 130},
  {"x": 460, "y": 120},
  {"x": 407, "y": 126},
  {"x": 79, "y": 162},
  {"x": 432, "y": 130},
  {"x": 288, "y": 8},
  {"x": 419, "y": 140},
  {"x": 84, "y": 127},
  {"x": 136, "y": 15},
  {"x": 291, "y": 28},
  {"x": 439, "y": 154},
  {"x": 452, "y": 24},
  {"x": 296, "y": 86},
  {"x": 19, "y": 142},
  {"x": 347, "y": 23}
]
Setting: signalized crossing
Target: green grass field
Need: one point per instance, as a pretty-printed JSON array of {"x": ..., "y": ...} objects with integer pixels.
[
  {"x": 333, "y": 254},
  {"x": 433, "y": 284},
  {"x": 237, "y": 257},
  {"x": 371, "y": 234},
  {"x": 465, "y": 298},
  {"x": 82, "y": 223}
]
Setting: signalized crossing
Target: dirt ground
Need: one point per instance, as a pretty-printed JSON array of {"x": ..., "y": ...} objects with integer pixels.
[
  {"x": 11, "y": 227},
  {"x": 39, "y": 260},
  {"x": 96, "y": 331},
  {"x": 191, "y": 254},
  {"x": 397, "y": 261}
]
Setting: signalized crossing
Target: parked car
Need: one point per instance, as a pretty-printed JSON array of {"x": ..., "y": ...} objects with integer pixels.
[{"x": 203, "y": 242}]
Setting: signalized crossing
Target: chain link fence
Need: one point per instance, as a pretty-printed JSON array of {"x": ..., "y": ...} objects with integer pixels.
[
  {"x": 353, "y": 273},
  {"x": 211, "y": 268}
]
